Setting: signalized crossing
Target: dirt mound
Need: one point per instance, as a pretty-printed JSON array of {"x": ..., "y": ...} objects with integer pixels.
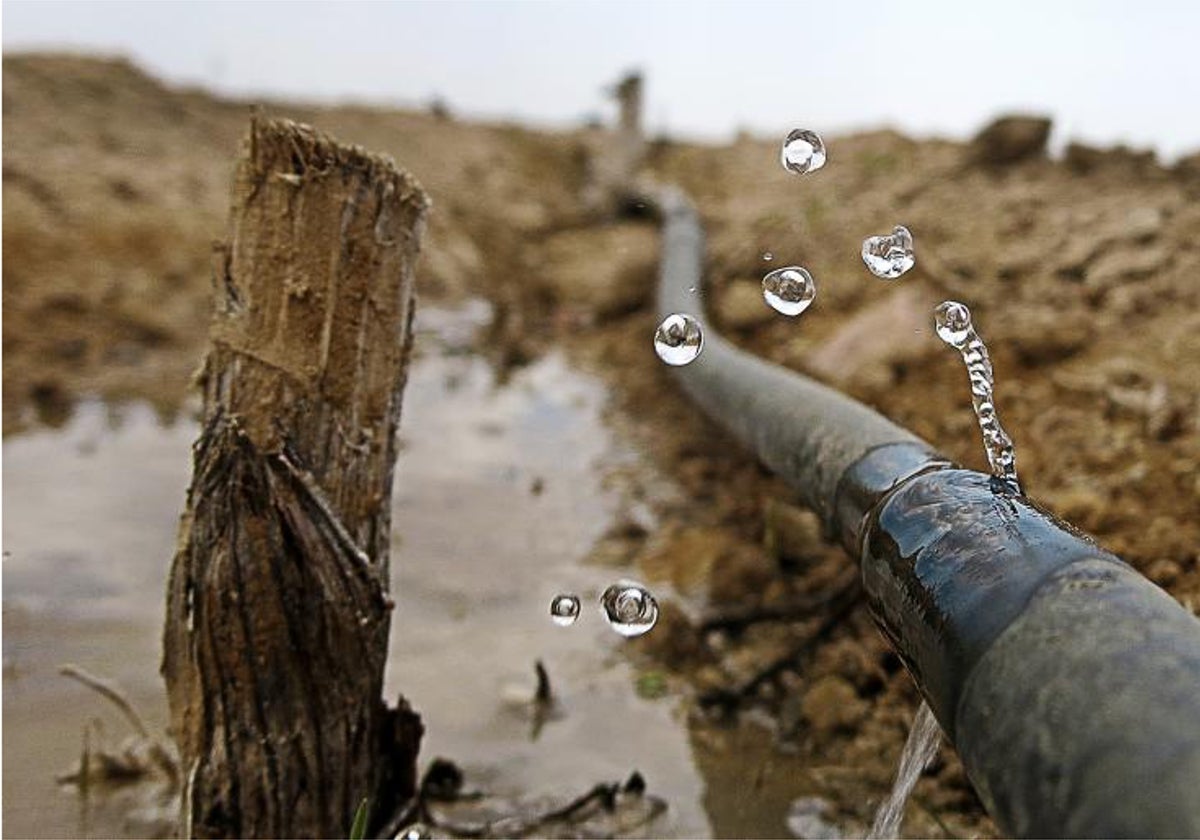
[{"x": 115, "y": 186}]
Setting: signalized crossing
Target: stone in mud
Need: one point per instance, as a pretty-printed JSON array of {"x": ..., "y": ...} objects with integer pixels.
[
  {"x": 866, "y": 348},
  {"x": 811, "y": 818},
  {"x": 451, "y": 257},
  {"x": 1083, "y": 506},
  {"x": 792, "y": 535},
  {"x": 1163, "y": 572},
  {"x": 1092, "y": 242},
  {"x": 742, "y": 575},
  {"x": 1188, "y": 167},
  {"x": 742, "y": 307},
  {"x": 51, "y": 402},
  {"x": 604, "y": 271},
  {"x": 1045, "y": 337},
  {"x": 1120, "y": 266},
  {"x": 1011, "y": 139},
  {"x": 1141, "y": 224},
  {"x": 685, "y": 556},
  {"x": 1077, "y": 254},
  {"x": 1084, "y": 160},
  {"x": 832, "y": 705},
  {"x": 674, "y": 640}
]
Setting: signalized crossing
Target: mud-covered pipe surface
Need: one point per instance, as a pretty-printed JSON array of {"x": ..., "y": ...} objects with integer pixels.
[{"x": 1069, "y": 684}]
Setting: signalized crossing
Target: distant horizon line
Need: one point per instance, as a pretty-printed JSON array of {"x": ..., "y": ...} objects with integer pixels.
[{"x": 1056, "y": 146}]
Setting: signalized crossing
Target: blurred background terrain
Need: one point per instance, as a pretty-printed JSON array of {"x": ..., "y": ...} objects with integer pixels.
[{"x": 537, "y": 405}]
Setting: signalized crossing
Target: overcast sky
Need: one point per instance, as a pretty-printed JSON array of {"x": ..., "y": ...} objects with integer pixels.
[{"x": 1107, "y": 71}]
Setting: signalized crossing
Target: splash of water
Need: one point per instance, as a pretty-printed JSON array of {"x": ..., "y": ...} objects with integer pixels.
[
  {"x": 564, "y": 610},
  {"x": 889, "y": 256},
  {"x": 922, "y": 745},
  {"x": 629, "y": 608},
  {"x": 953, "y": 322},
  {"x": 789, "y": 291},
  {"x": 678, "y": 339},
  {"x": 803, "y": 152}
]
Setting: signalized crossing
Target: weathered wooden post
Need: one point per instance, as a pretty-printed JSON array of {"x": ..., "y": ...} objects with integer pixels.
[
  {"x": 628, "y": 93},
  {"x": 614, "y": 159},
  {"x": 277, "y": 606}
]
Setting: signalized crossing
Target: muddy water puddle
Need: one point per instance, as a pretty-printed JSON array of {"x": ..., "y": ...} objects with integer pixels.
[
  {"x": 501, "y": 493},
  {"x": 499, "y": 496},
  {"x": 90, "y": 512}
]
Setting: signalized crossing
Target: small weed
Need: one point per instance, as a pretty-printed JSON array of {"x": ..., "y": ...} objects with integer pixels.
[
  {"x": 651, "y": 685},
  {"x": 358, "y": 829}
]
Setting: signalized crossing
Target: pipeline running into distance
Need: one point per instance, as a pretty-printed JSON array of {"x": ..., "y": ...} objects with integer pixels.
[{"x": 1068, "y": 683}]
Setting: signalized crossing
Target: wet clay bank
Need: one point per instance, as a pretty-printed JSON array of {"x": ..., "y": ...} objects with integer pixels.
[{"x": 1079, "y": 274}]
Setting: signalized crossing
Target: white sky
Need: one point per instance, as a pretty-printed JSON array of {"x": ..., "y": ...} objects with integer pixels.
[{"x": 1107, "y": 71}]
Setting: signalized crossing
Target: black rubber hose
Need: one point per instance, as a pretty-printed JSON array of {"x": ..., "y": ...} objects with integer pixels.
[{"x": 1068, "y": 683}]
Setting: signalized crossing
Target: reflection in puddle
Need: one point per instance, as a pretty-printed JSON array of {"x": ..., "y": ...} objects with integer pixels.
[
  {"x": 89, "y": 525},
  {"x": 498, "y": 498}
]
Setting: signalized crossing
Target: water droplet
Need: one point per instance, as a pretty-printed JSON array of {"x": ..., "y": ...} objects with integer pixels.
[
  {"x": 953, "y": 322},
  {"x": 564, "y": 609},
  {"x": 803, "y": 151},
  {"x": 889, "y": 256},
  {"x": 767, "y": 256},
  {"x": 789, "y": 290},
  {"x": 629, "y": 608},
  {"x": 678, "y": 339},
  {"x": 416, "y": 831},
  {"x": 692, "y": 290}
]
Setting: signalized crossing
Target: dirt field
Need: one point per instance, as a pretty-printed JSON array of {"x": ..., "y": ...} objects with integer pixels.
[{"x": 1081, "y": 275}]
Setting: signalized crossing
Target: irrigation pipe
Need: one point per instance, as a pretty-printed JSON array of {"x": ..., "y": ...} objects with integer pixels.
[{"x": 1068, "y": 683}]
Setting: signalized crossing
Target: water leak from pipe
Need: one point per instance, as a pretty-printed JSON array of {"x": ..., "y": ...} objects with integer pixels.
[
  {"x": 919, "y": 750},
  {"x": 953, "y": 323}
]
